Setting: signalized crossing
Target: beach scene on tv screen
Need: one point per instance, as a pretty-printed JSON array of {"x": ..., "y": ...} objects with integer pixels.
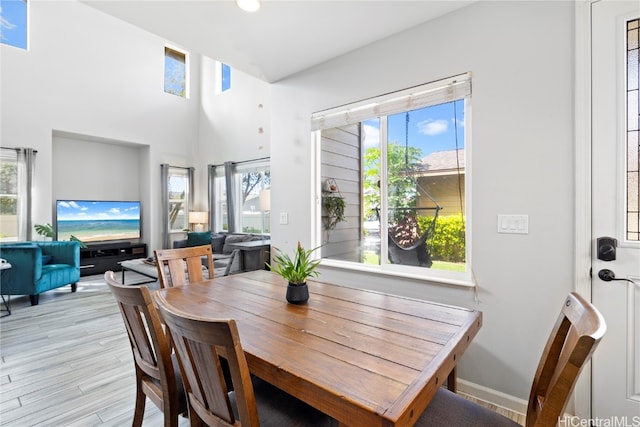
[{"x": 97, "y": 221}]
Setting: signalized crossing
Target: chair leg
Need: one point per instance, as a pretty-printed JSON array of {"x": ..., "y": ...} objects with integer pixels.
[
  {"x": 34, "y": 299},
  {"x": 74, "y": 287},
  {"x": 141, "y": 399},
  {"x": 170, "y": 414}
]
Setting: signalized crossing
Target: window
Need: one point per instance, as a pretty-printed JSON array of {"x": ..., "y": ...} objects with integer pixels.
[
  {"x": 248, "y": 208},
  {"x": 179, "y": 188},
  {"x": 398, "y": 162},
  {"x": 8, "y": 195},
  {"x": 175, "y": 72},
  {"x": 13, "y": 23},
  {"x": 222, "y": 77},
  {"x": 254, "y": 215},
  {"x": 226, "y": 77},
  {"x": 632, "y": 131}
]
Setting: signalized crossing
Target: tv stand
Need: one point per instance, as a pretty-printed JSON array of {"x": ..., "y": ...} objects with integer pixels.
[{"x": 102, "y": 257}]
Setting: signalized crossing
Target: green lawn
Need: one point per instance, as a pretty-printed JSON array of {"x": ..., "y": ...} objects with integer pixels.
[{"x": 373, "y": 258}]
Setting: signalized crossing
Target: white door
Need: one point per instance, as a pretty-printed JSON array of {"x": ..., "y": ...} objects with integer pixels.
[{"x": 616, "y": 363}]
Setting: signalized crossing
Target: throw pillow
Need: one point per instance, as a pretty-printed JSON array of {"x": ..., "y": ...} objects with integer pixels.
[
  {"x": 232, "y": 238},
  {"x": 198, "y": 238}
]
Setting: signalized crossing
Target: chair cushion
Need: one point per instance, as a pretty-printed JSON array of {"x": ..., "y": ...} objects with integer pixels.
[
  {"x": 277, "y": 408},
  {"x": 46, "y": 259},
  {"x": 198, "y": 238},
  {"x": 450, "y": 409}
]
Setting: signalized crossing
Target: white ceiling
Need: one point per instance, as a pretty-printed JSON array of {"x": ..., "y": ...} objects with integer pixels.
[{"x": 283, "y": 37}]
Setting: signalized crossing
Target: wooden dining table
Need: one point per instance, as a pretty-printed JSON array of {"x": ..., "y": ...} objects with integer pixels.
[{"x": 365, "y": 358}]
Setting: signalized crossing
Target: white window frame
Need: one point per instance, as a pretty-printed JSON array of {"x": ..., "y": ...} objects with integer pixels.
[{"x": 434, "y": 93}]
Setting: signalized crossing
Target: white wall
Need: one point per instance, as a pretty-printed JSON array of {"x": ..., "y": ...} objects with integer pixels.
[
  {"x": 89, "y": 74},
  {"x": 101, "y": 80},
  {"x": 520, "y": 55}
]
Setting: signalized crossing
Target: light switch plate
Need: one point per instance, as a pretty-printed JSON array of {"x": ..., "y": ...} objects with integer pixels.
[
  {"x": 284, "y": 218},
  {"x": 513, "y": 224}
]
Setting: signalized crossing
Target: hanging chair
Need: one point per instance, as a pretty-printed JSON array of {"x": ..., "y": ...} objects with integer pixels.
[{"x": 417, "y": 253}]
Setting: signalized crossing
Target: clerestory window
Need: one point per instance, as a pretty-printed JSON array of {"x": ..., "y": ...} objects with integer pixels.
[
  {"x": 175, "y": 72},
  {"x": 13, "y": 23}
]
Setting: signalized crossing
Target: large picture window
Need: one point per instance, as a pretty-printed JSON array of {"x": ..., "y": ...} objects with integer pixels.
[{"x": 398, "y": 164}]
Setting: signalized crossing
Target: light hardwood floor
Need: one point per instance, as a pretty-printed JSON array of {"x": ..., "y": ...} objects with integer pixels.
[{"x": 67, "y": 362}]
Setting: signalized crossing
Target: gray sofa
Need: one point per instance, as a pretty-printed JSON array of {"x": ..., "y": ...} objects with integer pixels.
[{"x": 224, "y": 255}]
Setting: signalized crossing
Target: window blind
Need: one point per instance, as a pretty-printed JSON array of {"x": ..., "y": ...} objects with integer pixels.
[{"x": 425, "y": 95}]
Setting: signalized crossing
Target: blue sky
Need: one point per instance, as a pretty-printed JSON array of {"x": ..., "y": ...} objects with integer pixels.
[
  {"x": 13, "y": 23},
  {"x": 431, "y": 128},
  {"x": 69, "y": 210}
]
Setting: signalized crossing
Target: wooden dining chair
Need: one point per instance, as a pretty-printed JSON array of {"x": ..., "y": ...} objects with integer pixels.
[
  {"x": 200, "y": 343},
  {"x": 184, "y": 265},
  {"x": 157, "y": 372},
  {"x": 574, "y": 338}
]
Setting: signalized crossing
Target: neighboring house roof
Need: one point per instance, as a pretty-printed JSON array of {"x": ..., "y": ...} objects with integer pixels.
[{"x": 442, "y": 163}]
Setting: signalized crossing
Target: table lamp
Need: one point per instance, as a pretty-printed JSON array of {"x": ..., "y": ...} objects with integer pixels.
[{"x": 197, "y": 218}]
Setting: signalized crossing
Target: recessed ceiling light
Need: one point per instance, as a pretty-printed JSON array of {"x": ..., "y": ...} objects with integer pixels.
[{"x": 248, "y": 5}]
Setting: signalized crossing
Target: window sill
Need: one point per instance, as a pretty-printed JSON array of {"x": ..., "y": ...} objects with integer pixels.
[{"x": 435, "y": 277}]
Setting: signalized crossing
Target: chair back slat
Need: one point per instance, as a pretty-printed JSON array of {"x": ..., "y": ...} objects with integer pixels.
[
  {"x": 151, "y": 349},
  {"x": 199, "y": 342},
  {"x": 141, "y": 343},
  {"x": 177, "y": 267},
  {"x": 575, "y": 336}
]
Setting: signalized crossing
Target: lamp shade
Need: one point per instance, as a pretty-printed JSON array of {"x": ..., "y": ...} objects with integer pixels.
[
  {"x": 265, "y": 200},
  {"x": 197, "y": 217}
]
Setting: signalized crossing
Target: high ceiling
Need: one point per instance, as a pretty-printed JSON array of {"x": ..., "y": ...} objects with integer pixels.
[{"x": 283, "y": 37}]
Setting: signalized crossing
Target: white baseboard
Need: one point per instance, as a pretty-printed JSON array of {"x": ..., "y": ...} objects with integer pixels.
[{"x": 493, "y": 396}]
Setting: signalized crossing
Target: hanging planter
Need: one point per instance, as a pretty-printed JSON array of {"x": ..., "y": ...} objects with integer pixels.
[{"x": 333, "y": 204}]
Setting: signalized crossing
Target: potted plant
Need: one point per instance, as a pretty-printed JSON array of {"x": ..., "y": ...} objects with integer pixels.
[
  {"x": 296, "y": 271},
  {"x": 47, "y": 230}
]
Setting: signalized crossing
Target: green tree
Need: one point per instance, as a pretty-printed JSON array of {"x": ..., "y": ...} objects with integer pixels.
[
  {"x": 401, "y": 163},
  {"x": 253, "y": 180}
]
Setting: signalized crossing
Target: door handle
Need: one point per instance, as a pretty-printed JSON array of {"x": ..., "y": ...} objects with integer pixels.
[{"x": 607, "y": 275}]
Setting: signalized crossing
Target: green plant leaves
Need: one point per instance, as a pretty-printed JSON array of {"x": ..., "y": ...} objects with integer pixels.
[{"x": 298, "y": 269}]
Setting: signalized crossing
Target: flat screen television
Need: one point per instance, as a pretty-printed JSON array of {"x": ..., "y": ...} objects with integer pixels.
[{"x": 98, "y": 220}]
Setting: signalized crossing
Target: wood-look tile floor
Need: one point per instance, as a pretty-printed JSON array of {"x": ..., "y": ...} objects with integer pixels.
[{"x": 67, "y": 362}]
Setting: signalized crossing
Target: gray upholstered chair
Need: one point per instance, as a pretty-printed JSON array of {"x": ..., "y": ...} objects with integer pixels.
[
  {"x": 574, "y": 338},
  {"x": 253, "y": 402}
]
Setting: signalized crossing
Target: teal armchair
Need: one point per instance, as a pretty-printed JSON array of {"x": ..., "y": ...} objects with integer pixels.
[{"x": 37, "y": 267}]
